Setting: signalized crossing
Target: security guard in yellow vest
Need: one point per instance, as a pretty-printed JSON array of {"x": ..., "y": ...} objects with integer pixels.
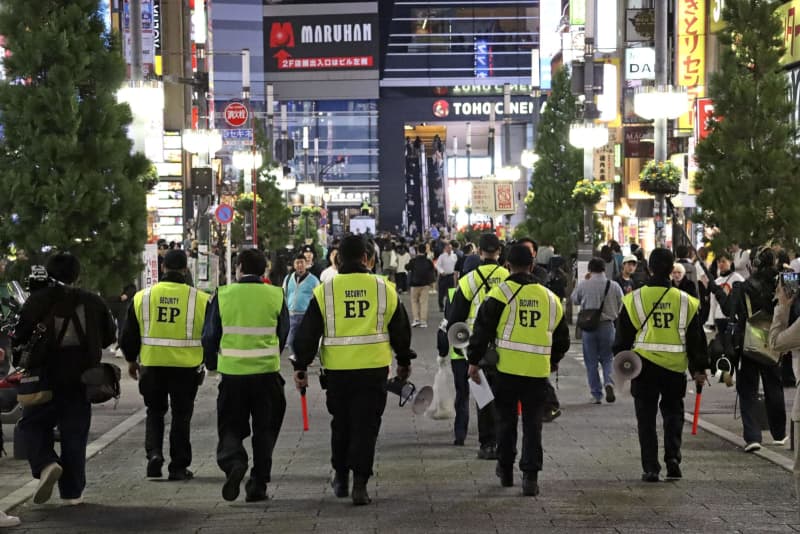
[
  {"x": 472, "y": 289},
  {"x": 458, "y": 362},
  {"x": 360, "y": 321},
  {"x": 163, "y": 330},
  {"x": 246, "y": 329},
  {"x": 525, "y": 321},
  {"x": 661, "y": 324}
]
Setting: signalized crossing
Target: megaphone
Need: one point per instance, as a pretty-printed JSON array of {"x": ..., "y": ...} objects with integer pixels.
[
  {"x": 627, "y": 365},
  {"x": 723, "y": 373},
  {"x": 407, "y": 391},
  {"x": 458, "y": 335}
]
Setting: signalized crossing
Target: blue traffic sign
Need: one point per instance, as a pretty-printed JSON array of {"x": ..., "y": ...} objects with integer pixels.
[{"x": 224, "y": 214}]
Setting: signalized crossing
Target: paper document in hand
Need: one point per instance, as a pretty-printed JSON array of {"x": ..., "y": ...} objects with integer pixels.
[{"x": 482, "y": 393}]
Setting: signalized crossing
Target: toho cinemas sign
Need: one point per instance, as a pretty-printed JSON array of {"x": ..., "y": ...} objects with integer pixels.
[{"x": 321, "y": 42}]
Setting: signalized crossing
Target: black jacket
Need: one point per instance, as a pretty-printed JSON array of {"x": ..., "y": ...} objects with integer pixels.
[
  {"x": 51, "y": 306},
  {"x": 696, "y": 346},
  {"x": 212, "y": 327},
  {"x": 485, "y": 328},
  {"x": 311, "y": 329},
  {"x": 421, "y": 271}
]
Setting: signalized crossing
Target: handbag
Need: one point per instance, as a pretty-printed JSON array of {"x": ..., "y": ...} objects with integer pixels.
[
  {"x": 756, "y": 337},
  {"x": 102, "y": 382},
  {"x": 589, "y": 319}
]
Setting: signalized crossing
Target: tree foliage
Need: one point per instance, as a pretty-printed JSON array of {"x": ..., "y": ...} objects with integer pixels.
[
  {"x": 748, "y": 164},
  {"x": 551, "y": 215},
  {"x": 68, "y": 177},
  {"x": 273, "y": 213}
]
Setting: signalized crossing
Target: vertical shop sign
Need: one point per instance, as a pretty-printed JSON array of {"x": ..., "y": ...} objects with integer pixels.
[{"x": 690, "y": 60}]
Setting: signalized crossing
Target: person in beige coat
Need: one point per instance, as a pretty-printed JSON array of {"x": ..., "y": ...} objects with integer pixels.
[{"x": 785, "y": 338}]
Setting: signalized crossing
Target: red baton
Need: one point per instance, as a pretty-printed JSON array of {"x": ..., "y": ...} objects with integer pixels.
[
  {"x": 303, "y": 403},
  {"x": 697, "y": 408}
]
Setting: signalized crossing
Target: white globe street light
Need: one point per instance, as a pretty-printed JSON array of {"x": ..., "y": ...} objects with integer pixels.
[
  {"x": 247, "y": 160},
  {"x": 202, "y": 141},
  {"x": 660, "y": 102},
  {"x": 528, "y": 158},
  {"x": 588, "y": 136}
]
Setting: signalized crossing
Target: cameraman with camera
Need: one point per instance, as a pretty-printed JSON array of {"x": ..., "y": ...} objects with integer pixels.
[
  {"x": 784, "y": 337},
  {"x": 77, "y": 324}
]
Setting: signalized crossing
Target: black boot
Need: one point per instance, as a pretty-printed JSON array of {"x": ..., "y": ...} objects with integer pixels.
[
  {"x": 231, "y": 489},
  {"x": 255, "y": 491},
  {"x": 360, "y": 495},
  {"x": 340, "y": 483},
  {"x": 530, "y": 484},
  {"x": 506, "y": 476},
  {"x": 154, "y": 465}
]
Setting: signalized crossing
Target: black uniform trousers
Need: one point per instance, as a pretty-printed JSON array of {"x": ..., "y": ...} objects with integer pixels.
[
  {"x": 461, "y": 380},
  {"x": 243, "y": 398},
  {"x": 531, "y": 392},
  {"x": 356, "y": 400},
  {"x": 445, "y": 282},
  {"x": 166, "y": 388},
  {"x": 487, "y": 416},
  {"x": 658, "y": 388}
]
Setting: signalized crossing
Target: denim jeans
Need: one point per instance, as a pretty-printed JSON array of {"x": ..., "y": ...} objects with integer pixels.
[
  {"x": 597, "y": 351},
  {"x": 72, "y": 414},
  {"x": 294, "y": 323}
]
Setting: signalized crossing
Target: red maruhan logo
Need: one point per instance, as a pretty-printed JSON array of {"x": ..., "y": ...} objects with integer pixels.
[
  {"x": 236, "y": 114},
  {"x": 281, "y": 34},
  {"x": 441, "y": 109}
]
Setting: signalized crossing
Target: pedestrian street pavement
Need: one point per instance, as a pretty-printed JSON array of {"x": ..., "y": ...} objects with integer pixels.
[{"x": 590, "y": 483}]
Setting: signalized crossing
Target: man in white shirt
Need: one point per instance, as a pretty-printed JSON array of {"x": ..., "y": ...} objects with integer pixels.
[
  {"x": 741, "y": 260},
  {"x": 446, "y": 265}
]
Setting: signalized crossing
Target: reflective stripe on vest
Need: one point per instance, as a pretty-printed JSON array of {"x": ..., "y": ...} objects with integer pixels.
[
  {"x": 249, "y": 314},
  {"x": 524, "y": 348},
  {"x": 475, "y": 291},
  {"x": 663, "y": 345},
  {"x": 359, "y": 341},
  {"x": 174, "y": 342}
]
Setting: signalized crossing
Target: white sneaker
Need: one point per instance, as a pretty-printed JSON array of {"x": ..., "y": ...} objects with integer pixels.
[
  {"x": 415, "y": 324},
  {"x": 752, "y": 447},
  {"x": 73, "y": 502},
  {"x": 47, "y": 479},
  {"x": 423, "y": 325},
  {"x": 8, "y": 520},
  {"x": 780, "y": 442}
]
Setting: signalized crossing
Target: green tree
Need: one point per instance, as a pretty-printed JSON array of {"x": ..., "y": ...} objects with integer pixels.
[
  {"x": 273, "y": 214},
  {"x": 69, "y": 180},
  {"x": 748, "y": 164},
  {"x": 551, "y": 214}
]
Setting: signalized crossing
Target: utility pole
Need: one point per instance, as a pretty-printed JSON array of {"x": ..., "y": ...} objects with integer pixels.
[
  {"x": 589, "y": 113},
  {"x": 660, "y": 126}
]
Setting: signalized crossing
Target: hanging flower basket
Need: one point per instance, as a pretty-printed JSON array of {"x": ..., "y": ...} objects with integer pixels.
[
  {"x": 587, "y": 192},
  {"x": 660, "y": 178}
]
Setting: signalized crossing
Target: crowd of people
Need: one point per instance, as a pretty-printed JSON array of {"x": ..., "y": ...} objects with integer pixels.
[{"x": 347, "y": 311}]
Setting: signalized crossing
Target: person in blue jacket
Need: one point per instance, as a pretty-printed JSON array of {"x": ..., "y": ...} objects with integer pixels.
[{"x": 298, "y": 289}]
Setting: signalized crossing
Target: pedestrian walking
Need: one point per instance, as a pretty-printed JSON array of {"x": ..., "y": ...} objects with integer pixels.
[
  {"x": 625, "y": 279},
  {"x": 79, "y": 325},
  {"x": 246, "y": 329},
  {"x": 472, "y": 289},
  {"x": 746, "y": 299},
  {"x": 161, "y": 342},
  {"x": 445, "y": 266},
  {"x": 525, "y": 321},
  {"x": 599, "y": 293},
  {"x": 661, "y": 324},
  {"x": 298, "y": 288},
  {"x": 403, "y": 259},
  {"x": 421, "y": 274},
  {"x": 362, "y": 324}
]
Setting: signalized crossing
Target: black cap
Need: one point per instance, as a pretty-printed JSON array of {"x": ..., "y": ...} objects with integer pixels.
[
  {"x": 661, "y": 261},
  {"x": 519, "y": 256},
  {"x": 489, "y": 243},
  {"x": 175, "y": 260}
]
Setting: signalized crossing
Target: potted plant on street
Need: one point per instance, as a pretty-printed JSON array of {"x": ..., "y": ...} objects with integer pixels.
[
  {"x": 660, "y": 178},
  {"x": 588, "y": 192}
]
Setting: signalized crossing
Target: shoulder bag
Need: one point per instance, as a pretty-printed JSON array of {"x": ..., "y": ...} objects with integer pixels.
[
  {"x": 756, "y": 336},
  {"x": 589, "y": 318}
]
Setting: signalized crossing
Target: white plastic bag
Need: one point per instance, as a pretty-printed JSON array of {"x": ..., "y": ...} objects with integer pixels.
[{"x": 444, "y": 393}]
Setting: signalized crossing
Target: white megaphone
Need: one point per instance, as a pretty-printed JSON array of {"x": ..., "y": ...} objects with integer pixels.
[
  {"x": 627, "y": 365},
  {"x": 407, "y": 391},
  {"x": 458, "y": 335}
]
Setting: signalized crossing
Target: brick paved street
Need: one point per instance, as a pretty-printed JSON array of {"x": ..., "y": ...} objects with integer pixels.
[{"x": 590, "y": 481}]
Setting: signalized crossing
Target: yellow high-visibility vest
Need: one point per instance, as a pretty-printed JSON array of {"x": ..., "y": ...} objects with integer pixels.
[{"x": 475, "y": 290}]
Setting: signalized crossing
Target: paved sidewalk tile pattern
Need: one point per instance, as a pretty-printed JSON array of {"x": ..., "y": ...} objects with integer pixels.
[{"x": 590, "y": 482}]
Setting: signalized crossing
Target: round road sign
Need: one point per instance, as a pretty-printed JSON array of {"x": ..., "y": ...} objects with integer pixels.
[
  {"x": 224, "y": 214},
  {"x": 236, "y": 114}
]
